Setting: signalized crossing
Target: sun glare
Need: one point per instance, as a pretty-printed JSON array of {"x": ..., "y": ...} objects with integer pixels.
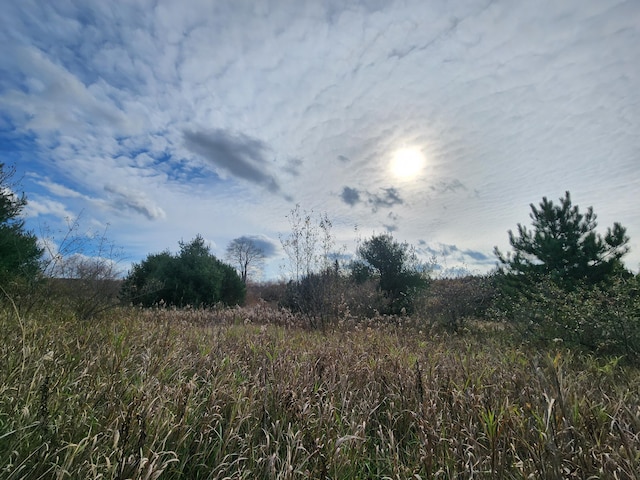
[{"x": 407, "y": 162}]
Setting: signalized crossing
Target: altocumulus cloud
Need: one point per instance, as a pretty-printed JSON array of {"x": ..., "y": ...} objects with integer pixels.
[{"x": 238, "y": 154}]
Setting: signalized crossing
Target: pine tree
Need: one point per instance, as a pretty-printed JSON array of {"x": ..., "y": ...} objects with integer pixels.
[
  {"x": 564, "y": 246},
  {"x": 19, "y": 251}
]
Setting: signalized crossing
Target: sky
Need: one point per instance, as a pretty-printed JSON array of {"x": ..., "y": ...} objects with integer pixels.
[{"x": 159, "y": 120}]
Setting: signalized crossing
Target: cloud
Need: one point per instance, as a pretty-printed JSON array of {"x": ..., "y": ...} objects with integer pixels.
[
  {"x": 58, "y": 189},
  {"x": 350, "y": 196},
  {"x": 451, "y": 260},
  {"x": 513, "y": 102},
  {"x": 386, "y": 198},
  {"x": 393, "y": 226},
  {"x": 137, "y": 201},
  {"x": 37, "y": 206},
  {"x": 389, "y": 197},
  {"x": 43, "y": 103},
  {"x": 293, "y": 166},
  {"x": 452, "y": 186},
  {"x": 119, "y": 198},
  {"x": 478, "y": 256},
  {"x": 240, "y": 155},
  {"x": 269, "y": 247}
]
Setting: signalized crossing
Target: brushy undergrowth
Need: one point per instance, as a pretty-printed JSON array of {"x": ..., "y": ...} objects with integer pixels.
[{"x": 249, "y": 393}]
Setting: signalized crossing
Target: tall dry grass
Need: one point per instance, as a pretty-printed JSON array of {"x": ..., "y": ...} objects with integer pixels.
[{"x": 251, "y": 393}]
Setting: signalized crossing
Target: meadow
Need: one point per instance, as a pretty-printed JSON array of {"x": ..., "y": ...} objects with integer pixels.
[{"x": 255, "y": 393}]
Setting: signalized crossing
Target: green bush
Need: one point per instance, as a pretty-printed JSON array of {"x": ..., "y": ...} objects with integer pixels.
[
  {"x": 453, "y": 301},
  {"x": 312, "y": 295},
  {"x": 604, "y": 318},
  {"x": 395, "y": 266},
  {"x": 194, "y": 277}
]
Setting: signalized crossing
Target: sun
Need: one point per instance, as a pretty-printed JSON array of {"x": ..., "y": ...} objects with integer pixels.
[{"x": 407, "y": 162}]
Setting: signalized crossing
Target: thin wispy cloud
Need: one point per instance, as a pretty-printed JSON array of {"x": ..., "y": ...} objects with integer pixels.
[{"x": 58, "y": 190}]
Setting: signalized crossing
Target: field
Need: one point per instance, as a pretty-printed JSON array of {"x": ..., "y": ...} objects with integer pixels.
[{"x": 254, "y": 393}]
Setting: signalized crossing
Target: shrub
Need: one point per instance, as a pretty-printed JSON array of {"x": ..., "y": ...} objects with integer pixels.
[
  {"x": 400, "y": 275},
  {"x": 81, "y": 270},
  {"x": 316, "y": 295},
  {"x": 604, "y": 318},
  {"x": 452, "y": 301},
  {"x": 194, "y": 277}
]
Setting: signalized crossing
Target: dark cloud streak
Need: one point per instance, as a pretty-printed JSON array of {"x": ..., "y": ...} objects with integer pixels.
[
  {"x": 388, "y": 198},
  {"x": 240, "y": 155},
  {"x": 269, "y": 247}
]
